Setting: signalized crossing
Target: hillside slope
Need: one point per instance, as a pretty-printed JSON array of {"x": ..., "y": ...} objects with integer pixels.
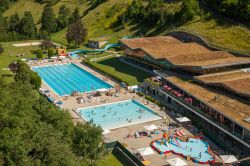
[
  {"x": 216, "y": 30},
  {"x": 37, "y": 8}
]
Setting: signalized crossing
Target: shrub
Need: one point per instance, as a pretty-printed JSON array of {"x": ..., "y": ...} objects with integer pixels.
[
  {"x": 39, "y": 54},
  {"x": 140, "y": 94},
  {"x": 50, "y": 52},
  {"x": 35, "y": 80}
]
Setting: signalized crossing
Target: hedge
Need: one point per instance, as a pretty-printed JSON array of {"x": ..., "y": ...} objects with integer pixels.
[{"x": 149, "y": 98}]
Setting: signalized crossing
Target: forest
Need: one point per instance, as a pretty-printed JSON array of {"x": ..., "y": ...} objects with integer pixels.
[
  {"x": 149, "y": 12},
  {"x": 35, "y": 132}
]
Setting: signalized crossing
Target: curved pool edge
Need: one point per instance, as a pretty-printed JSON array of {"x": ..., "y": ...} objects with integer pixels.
[{"x": 179, "y": 154}]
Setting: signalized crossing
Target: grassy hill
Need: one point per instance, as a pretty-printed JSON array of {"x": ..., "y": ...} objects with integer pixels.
[
  {"x": 37, "y": 8},
  {"x": 100, "y": 20}
]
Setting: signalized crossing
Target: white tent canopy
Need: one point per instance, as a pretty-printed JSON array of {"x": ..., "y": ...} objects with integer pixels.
[
  {"x": 53, "y": 57},
  {"x": 145, "y": 151},
  {"x": 105, "y": 131},
  {"x": 150, "y": 127},
  {"x": 62, "y": 57},
  {"x": 176, "y": 162},
  {"x": 133, "y": 87},
  {"x": 228, "y": 158},
  {"x": 102, "y": 90},
  {"x": 183, "y": 119}
]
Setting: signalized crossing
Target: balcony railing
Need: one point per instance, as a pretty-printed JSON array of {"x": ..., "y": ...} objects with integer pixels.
[{"x": 195, "y": 109}]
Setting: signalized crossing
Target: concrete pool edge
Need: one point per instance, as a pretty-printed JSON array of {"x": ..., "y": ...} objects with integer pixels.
[
  {"x": 180, "y": 154},
  {"x": 77, "y": 66},
  {"x": 160, "y": 117}
]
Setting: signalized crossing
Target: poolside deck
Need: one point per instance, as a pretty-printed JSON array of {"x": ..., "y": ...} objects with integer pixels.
[
  {"x": 132, "y": 144},
  {"x": 70, "y": 104}
]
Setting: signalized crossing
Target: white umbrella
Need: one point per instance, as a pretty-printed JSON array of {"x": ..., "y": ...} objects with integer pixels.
[
  {"x": 53, "y": 57},
  {"x": 102, "y": 90},
  {"x": 62, "y": 57},
  {"x": 183, "y": 119},
  {"x": 228, "y": 158},
  {"x": 133, "y": 87},
  {"x": 150, "y": 127},
  {"x": 176, "y": 162},
  {"x": 146, "y": 151},
  {"x": 105, "y": 131}
]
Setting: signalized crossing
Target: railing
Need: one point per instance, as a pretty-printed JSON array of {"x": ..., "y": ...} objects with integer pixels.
[
  {"x": 196, "y": 110},
  {"x": 126, "y": 155}
]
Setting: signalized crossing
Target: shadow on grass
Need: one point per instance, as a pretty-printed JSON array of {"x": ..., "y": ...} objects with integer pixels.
[
  {"x": 121, "y": 158},
  {"x": 125, "y": 68}
]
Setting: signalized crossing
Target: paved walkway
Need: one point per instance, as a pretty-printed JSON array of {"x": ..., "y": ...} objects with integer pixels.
[{"x": 70, "y": 104}]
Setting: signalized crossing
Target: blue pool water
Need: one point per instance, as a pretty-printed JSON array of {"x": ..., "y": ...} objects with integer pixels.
[
  {"x": 119, "y": 114},
  {"x": 194, "y": 147},
  {"x": 66, "y": 78}
]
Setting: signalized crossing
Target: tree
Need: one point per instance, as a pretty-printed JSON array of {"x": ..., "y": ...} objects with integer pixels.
[
  {"x": 4, "y": 4},
  {"x": 27, "y": 26},
  {"x": 50, "y": 52},
  {"x": 87, "y": 141},
  {"x": 23, "y": 73},
  {"x": 39, "y": 54},
  {"x": 63, "y": 17},
  {"x": 95, "y": 3},
  {"x": 46, "y": 44},
  {"x": 35, "y": 80},
  {"x": 3, "y": 24},
  {"x": 14, "y": 22},
  {"x": 1, "y": 49},
  {"x": 75, "y": 16},
  {"x": 189, "y": 9},
  {"x": 77, "y": 33},
  {"x": 48, "y": 21},
  {"x": 36, "y": 133}
]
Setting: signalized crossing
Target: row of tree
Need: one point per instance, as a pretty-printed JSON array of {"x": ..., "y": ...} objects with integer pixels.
[
  {"x": 50, "y": 23},
  {"x": 237, "y": 9},
  {"x": 5, "y": 4},
  {"x": 34, "y": 132},
  {"x": 155, "y": 12},
  {"x": 17, "y": 28}
]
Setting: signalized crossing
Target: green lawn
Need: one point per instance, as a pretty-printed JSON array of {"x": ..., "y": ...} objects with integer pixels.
[
  {"x": 99, "y": 25},
  {"x": 218, "y": 31},
  {"x": 121, "y": 70},
  {"x": 9, "y": 55},
  {"x": 221, "y": 34},
  {"x": 109, "y": 160},
  {"x": 36, "y": 8}
]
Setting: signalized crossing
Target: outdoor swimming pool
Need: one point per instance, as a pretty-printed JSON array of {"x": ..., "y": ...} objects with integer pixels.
[
  {"x": 66, "y": 78},
  {"x": 119, "y": 114},
  {"x": 195, "y": 148}
]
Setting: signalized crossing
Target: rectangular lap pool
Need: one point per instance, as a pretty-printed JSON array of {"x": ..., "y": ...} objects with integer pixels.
[
  {"x": 66, "y": 78},
  {"x": 118, "y": 114}
]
